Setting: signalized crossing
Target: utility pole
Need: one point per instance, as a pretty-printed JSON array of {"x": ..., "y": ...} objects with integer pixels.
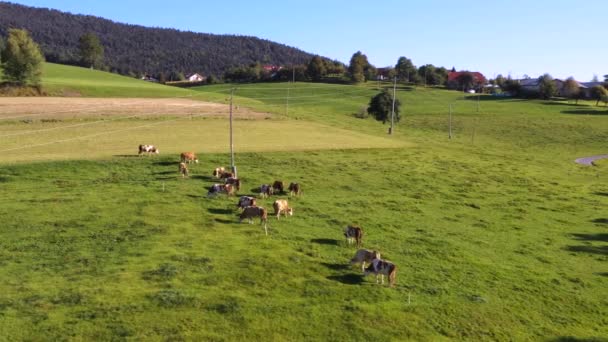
[
  {"x": 450, "y": 123},
  {"x": 287, "y": 101},
  {"x": 393, "y": 111},
  {"x": 294, "y": 74},
  {"x": 232, "y": 166}
]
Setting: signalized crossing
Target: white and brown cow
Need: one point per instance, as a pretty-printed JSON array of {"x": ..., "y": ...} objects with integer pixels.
[
  {"x": 216, "y": 189},
  {"x": 183, "y": 169},
  {"x": 251, "y": 212},
  {"x": 149, "y": 149},
  {"x": 363, "y": 256},
  {"x": 282, "y": 206},
  {"x": 218, "y": 172},
  {"x": 266, "y": 190},
  {"x": 188, "y": 157},
  {"x": 382, "y": 268},
  {"x": 234, "y": 181},
  {"x": 353, "y": 233},
  {"x": 246, "y": 201},
  {"x": 294, "y": 189}
]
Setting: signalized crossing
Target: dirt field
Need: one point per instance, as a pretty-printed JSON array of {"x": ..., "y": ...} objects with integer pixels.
[{"x": 33, "y": 108}]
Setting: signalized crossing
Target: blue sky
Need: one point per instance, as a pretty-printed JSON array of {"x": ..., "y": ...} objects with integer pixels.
[{"x": 517, "y": 37}]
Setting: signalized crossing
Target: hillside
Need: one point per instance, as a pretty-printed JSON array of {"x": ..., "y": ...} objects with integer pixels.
[{"x": 138, "y": 49}]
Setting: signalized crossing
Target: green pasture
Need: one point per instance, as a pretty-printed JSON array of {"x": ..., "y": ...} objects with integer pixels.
[{"x": 497, "y": 234}]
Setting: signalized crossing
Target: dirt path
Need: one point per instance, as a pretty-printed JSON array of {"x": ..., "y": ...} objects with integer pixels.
[
  {"x": 590, "y": 160},
  {"x": 62, "y": 107}
]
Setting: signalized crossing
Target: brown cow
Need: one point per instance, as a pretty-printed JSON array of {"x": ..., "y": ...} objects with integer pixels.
[
  {"x": 353, "y": 233},
  {"x": 218, "y": 172},
  {"x": 234, "y": 181},
  {"x": 148, "y": 149},
  {"x": 364, "y": 256},
  {"x": 278, "y": 187},
  {"x": 188, "y": 157},
  {"x": 252, "y": 211},
  {"x": 294, "y": 189}
]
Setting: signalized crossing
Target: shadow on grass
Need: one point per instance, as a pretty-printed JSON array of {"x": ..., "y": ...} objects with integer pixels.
[
  {"x": 205, "y": 178},
  {"x": 577, "y": 339},
  {"x": 564, "y": 104},
  {"x": 603, "y": 274},
  {"x": 592, "y": 237},
  {"x": 600, "y": 220},
  {"x": 196, "y": 196},
  {"x": 166, "y": 163},
  {"x": 603, "y": 250},
  {"x": 220, "y": 211},
  {"x": 225, "y": 221},
  {"x": 585, "y": 112},
  {"x": 601, "y": 193},
  {"x": 335, "y": 267},
  {"x": 126, "y": 156},
  {"x": 348, "y": 279},
  {"x": 331, "y": 242},
  {"x": 165, "y": 173}
]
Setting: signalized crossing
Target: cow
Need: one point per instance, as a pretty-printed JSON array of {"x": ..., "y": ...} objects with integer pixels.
[
  {"x": 183, "y": 169},
  {"x": 266, "y": 190},
  {"x": 226, "y": 174},
  {"x": 364, "y": 256},
  {"x": 148, "y": 149},
  {"x": 253, "y": 211},
  {"x": 218, "y": 172},
  {"x": 278, "y": 187},
  {"x": 234, "y": 181},
  {"x": 188, "y": 157},
  {"x": 281, "y": 206},
  {"x": 353, "y": 233},
  {"x": 216, "y": 189},
  {"x": 294, "y": 189},
  {"x": 246, "y": 201},
  {"x": 382, "y": 268}
]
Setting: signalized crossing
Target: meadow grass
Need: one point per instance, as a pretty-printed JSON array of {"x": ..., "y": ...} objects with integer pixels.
[{"x": 497, "y": 234}]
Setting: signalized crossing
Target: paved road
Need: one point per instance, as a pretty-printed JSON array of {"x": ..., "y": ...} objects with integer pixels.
[{"x": 590, "y": 160}]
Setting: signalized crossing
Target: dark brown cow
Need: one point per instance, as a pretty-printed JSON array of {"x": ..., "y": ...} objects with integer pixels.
[
  {"x": 294, "y": 189},
  {"x": 234, "y": 181},
  {"x": 278, "y": 187},
  {"x": 382, "y": 268},
  {"x": 353, "y": 233}
]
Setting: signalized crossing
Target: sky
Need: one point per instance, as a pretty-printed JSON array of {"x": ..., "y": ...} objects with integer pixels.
[{"x": 510, "y": 37}]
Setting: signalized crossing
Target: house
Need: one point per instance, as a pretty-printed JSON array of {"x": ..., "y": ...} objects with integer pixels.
[
  {"x": 195, "y": 78},
  {"x": 271, "y": 68},
  {"x": 383, "y": 73},
  {"x": 478, "y": 79}
]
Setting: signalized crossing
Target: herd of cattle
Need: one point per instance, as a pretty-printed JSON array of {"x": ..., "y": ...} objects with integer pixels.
[{"x": 250, "y": 210}]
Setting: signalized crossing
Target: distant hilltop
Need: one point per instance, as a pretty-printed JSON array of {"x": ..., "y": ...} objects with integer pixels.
[{"x": 137, "y": 50}]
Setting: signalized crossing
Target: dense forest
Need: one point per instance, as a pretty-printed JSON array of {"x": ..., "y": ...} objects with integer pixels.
[{"x": 137, "y": 50}]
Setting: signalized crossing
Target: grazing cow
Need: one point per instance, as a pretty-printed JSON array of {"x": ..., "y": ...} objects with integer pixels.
[
  {"x": 226, "y": 174},
  {"x": 382, "y": 268},
  {"x": 353, "y": 233},
  {"x": 252, "y": 211},
  {"x": 234, "y": 181},
  {"x": 364, "y": 256},
  {"x": 294, "y": 189},
  {"x": 278, "y": 187},
  {"x": 216, "y": 189},
  {"x": 147, "y": 149},
  {"x": 266, "y": 190},
  {"x": 188, "y": 157},
  {"x": 281, "y": 206},
  {"x": 183, "y": 169},
  {"x": 246, "y": 201},
  {"x": 218, "y": 171}
]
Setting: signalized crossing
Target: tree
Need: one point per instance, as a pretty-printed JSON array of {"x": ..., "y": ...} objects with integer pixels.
[
  {"x": 316, "y": 68},
  {"x": 546, "y": 86},
  {"x": 21, "y": 59},
  {"x": 606, "y": 78},
  {"x": 571, "y": 89},
  {"x": 595, "y": 78},
  {"x": 357, "y": 67},
  {"x": 91, "y": 50},
  {"x": 597, "y": 93},
  {"x": 381, "y": 106},
  {"x": 512, "y": 86},
  {"x": 500, "y": 80},
  {"x": 405, "y": 69},
  {"x": 466, "y": 80}
]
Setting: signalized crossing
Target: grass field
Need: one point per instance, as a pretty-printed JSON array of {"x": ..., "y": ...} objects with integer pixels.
[{"x": 497, "y": 234}]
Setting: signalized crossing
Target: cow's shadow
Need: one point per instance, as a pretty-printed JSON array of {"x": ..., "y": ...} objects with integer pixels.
[
  {"x": 220, "y": 211},
  {"x": 201, "y": 177},
  {"x": 331, "y": 242},
  {"x": 348, "y": 279},
  {"x": 126, "y": 156},
  {"x": 165, "y": 172},
  {"x": 166, "y": 163},
  {"x": 335, "y": 267}
]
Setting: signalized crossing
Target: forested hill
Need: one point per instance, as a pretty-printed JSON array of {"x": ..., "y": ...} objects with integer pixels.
[{"x": 138, "y": 49}]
